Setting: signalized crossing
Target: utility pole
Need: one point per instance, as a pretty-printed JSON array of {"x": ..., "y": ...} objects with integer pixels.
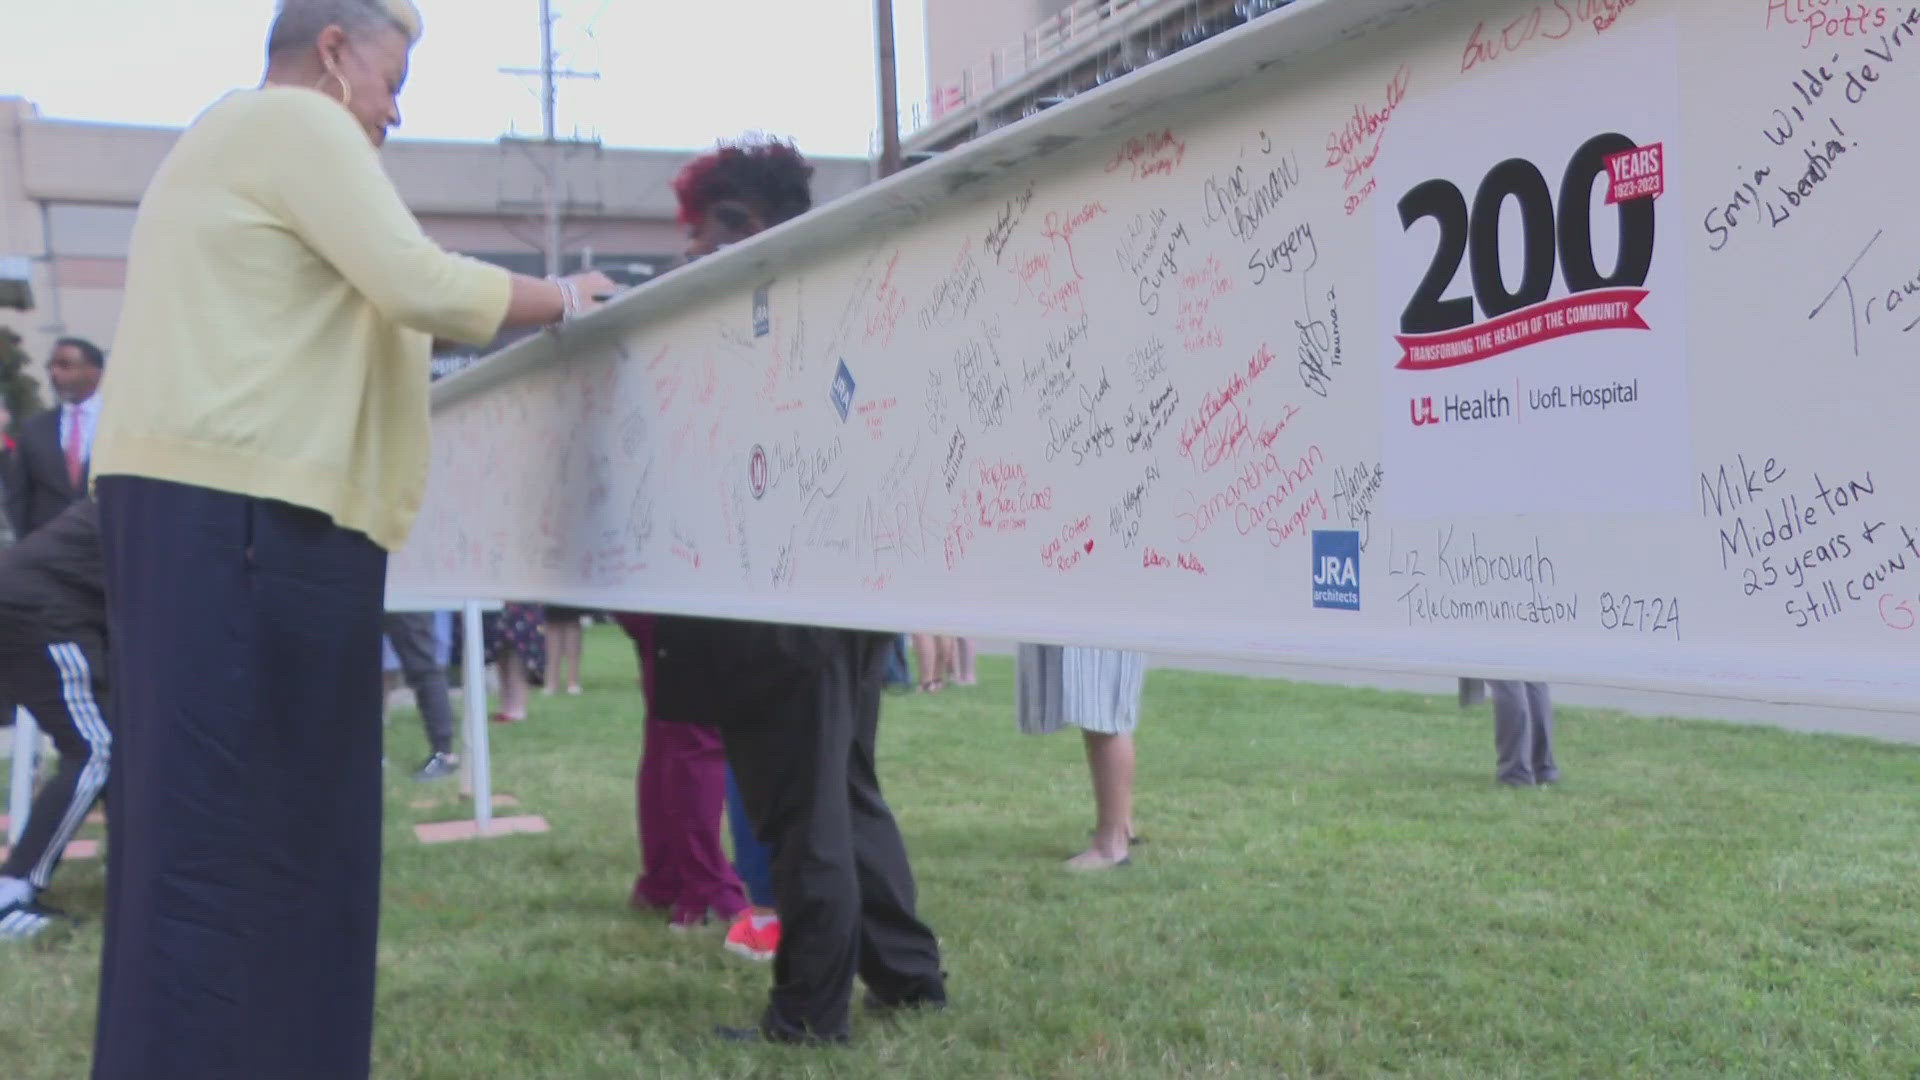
[
  {"x": 889, "y": 89},
  {"x": 550, "y": 157},
  {"x": 549, "y": 99}
]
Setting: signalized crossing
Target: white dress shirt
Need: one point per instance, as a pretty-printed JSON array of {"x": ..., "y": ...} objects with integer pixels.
[{"x": 87, "y": 415}]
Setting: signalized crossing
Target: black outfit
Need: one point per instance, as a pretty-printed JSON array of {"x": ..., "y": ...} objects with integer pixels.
[
  {"x": 37, "y": 484},
  {"x": 798, "y": 709},
  {"x": 53, "y": 623},
  {"x": 243, "y": 884}
]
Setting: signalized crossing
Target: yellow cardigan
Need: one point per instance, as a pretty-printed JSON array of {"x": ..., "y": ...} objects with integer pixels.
[{"x": 280, "y": 306}]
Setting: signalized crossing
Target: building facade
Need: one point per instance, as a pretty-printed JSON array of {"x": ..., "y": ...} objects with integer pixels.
[
  {"x": 992, "y": 62},
  {"x": 69, "y": 192}
]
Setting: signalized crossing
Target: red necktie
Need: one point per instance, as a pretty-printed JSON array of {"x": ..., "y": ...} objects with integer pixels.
[{"x": 76, "y": 456}]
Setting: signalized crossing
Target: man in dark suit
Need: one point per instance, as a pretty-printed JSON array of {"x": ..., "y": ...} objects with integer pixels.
[{"x": 49, "y": 467}]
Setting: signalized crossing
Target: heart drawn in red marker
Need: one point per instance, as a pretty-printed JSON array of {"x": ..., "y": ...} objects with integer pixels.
[{"x": 1089, "y": 547}]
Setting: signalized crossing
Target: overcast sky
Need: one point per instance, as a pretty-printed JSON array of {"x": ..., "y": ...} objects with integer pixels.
[{"x": 673, "y": 73}]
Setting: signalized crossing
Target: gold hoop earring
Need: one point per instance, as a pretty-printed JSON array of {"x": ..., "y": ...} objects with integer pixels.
[{"x": 346, "y": 91}]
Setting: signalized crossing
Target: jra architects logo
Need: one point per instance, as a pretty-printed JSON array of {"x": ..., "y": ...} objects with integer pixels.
[
  {"x": 1336, "y": 570},
  {"x": 1534, "y": 313},
  {"x": 842, "y": 392},
  {"x": 762, "y": 311}
]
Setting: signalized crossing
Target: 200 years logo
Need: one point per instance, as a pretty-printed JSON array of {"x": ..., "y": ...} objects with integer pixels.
[
  {"x": 1525, "y": 220},
  {"x": 1438, "y": 331}
]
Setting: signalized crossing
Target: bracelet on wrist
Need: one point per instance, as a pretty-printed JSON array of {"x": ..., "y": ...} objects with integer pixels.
[{"x": 570, "y": 306}]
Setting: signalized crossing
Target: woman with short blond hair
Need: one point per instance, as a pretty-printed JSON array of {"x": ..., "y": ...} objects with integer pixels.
[{"x": 262, "y": 446}]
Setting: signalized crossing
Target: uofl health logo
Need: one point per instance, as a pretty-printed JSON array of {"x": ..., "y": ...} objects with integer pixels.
[
  {"x": 1336, "y": 570},
  {"x": 1437, "y": 331}
]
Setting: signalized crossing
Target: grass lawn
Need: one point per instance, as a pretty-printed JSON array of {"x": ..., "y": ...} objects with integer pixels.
[{"x": 1332, "y": 887}]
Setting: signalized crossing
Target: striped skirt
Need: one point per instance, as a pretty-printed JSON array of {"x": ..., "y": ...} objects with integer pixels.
[{"x": 1091, "y": 689}]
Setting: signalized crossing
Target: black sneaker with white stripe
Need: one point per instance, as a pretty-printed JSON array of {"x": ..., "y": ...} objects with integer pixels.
[{"x": 18, "y": 922}]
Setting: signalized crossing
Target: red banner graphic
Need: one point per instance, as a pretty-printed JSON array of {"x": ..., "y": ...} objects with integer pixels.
[
  {"x": 1640, "y": 173},
  {"x": 1598, "y": 309}
]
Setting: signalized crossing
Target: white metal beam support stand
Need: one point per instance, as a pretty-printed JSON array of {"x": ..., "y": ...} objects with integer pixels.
[{"x": 473, "y": 675}]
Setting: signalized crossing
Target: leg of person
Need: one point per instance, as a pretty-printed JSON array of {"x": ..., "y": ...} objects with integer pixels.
[
  {"x": 389, "y": 682},
  {"x": 414, "y": 644},
  {"x": 897, "y": 674},
  {"x": 446, "y": 639},
  {"x": 926, "y": 661},
  {"x": 969, "y": 676},
  {"x": 790, "y": 757},
  {"x": 1110, "y": 761},
  {"x": 551, "y": 633},
  {"x": 949, "y": 660},
  {"x": 523, "y": 625},
  {"x": 59, "y": 684},
  {"x": 1540, "y": 715},
  {"x": 514, "y": 685},
  {"x": 657, "y": 886},
  {"x": 1100, "y": 691},
  {"x": 244, "y": 873},
  {"x": 576, "y": 644},
  {"x": 651, "y": 889},
  {"x": 1472, "y": 692},
  {"x": 1037, "y": 690},
  {"x": 1512, "y": 732},
  {"x": 899, "y": 956},
  {"x": 758, "y": 937},
  {"x": 695, "y": 772},
  {"x": 751, "y": 859}
]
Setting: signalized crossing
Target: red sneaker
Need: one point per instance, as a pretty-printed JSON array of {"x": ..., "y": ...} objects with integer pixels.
[{"x": 756, "y": 937}]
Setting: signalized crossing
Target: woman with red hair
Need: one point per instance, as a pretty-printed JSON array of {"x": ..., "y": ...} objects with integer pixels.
[
  {"x": 725, "y": 196},
  {"x": 798, "y": 709}
]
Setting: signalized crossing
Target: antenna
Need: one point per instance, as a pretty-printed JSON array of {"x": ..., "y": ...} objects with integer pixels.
[{"x": 551, "y": 155}]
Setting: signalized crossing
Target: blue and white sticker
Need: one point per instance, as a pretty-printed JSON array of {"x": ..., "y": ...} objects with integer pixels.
[
  {"x": 1336, "y": 570},
  {"x": 762, "y": 311},
  {"x": 843, "y": 391}
]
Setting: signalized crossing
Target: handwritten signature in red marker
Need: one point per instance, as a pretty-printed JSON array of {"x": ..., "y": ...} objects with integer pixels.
[
  {"x": 1219, "y": 428},
  {"x": 875, "y": 414},
  {"x": 1158, "y": 154},
  {"x": 1544, "y": 21},
  {"x": 1064, "y": 552},
  {"x": 889, "y": 306},
  {"x": 1061, "y": 227},
  {"x": 1355, "y": 146}
]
